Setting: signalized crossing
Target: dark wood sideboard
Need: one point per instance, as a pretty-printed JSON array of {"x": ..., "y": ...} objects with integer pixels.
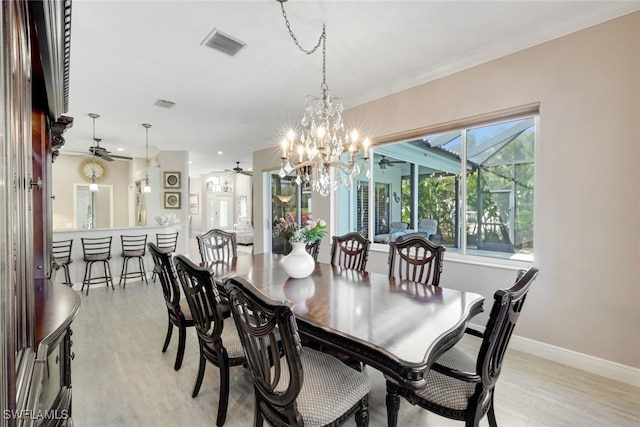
[{"x": 49, "y": 398}]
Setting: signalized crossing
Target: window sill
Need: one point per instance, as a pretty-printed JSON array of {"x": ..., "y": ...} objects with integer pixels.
[{"x": 516, "y": 262}]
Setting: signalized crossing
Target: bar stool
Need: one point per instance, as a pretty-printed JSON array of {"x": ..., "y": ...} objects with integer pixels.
[
  {"x": 166, "y": 243},
  {"x": 133, "y": 247},
  {"x": 96, "y": 249},
  {"x": 61, "y": 253}
]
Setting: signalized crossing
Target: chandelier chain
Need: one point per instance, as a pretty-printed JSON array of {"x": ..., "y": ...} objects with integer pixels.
[
  {"x": 295, "y": 40},
  {"x": 322, "y": 40}
]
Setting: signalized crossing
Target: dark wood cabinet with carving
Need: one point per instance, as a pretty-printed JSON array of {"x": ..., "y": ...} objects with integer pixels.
[
  {"x": 35, "y": 314},
  {"x": 56, "y": 307}
]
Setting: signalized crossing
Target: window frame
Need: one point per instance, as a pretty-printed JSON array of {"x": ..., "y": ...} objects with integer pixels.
[{"x": 462, "y": 126}]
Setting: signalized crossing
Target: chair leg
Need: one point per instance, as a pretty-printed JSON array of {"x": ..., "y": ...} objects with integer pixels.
[
  {"x": 223, "y": 401},
  {"x": 67, "y": 276},
  {"x": 86, "y": 280},
  {"x": 257, "y": 415},
  {"x": 143, "y": 272},
  {"x": 167, "y": 340},
  {"x": 491, "y": 415},
  {"x": 182, "y": 337},
  {"x": 203, "y": 363},
  {"x": 124, "y": 272},
  {"x": 107, "y": 274},
  {"x": 393, "y": 404},
  {"x": 362, "y": 414}
]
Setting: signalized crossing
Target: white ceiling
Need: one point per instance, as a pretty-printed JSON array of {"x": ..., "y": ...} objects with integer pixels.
[{"x": 125, "y": 55}]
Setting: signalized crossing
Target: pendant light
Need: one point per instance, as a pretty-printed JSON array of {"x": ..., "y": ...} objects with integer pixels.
[
  {"x": 93, "y": 187},
  {"x": 146, "y": 188}
]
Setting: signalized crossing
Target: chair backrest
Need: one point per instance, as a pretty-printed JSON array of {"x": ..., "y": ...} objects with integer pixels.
[
  {"x": 96, "y": 247},
  {"x": 350, "y": 250},
  {"x": 167, "y": 242},
  {"x": 504, "y": 315},
  {"x": 134, "y": 245},
  {"x": 203, "y": 298},
  {"x": 262, "y": 324},
  {"x": 61, "y": 251},
  {"x": 313, "y": 249},
  {"x": 416, "y": 258},
  {"x": 217, "y": 245},
  {"x": 168, "y": 279}
]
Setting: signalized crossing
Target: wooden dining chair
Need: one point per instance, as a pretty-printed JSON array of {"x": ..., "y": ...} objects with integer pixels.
[
  {"x": 417, "y": 259},
  {"x": 460, "y": 385},
  {"x": 217, "y": 337},
  {"x": 313, "y": 249},
  {"x": 293, "y": 385},
  {"x": 178, "y": 311},
  {"x": 167, "y": 243},
  {"x": 217, "y": 245},
  {"x": 350, "y": 250}
]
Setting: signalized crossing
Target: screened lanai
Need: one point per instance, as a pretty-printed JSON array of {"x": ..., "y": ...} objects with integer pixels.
[{"x": 423, "y": 179}]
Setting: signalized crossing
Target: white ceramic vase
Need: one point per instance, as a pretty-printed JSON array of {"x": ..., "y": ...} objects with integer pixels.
[{"x": 299, "y": 264}]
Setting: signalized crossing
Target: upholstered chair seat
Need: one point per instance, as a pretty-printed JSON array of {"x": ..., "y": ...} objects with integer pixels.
[
  {"x": 231, "y": 340},
  {"x": 329, "y": 390},
  {"x": 97, "y": 257},
  {"x": 138, "y": 252},
  {"x": 442, "y": 390}
]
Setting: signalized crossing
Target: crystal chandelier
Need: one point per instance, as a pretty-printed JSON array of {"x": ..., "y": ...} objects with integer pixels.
[
  {"x": 146, "y": 188},
  {"x": 321, "y": 148}
]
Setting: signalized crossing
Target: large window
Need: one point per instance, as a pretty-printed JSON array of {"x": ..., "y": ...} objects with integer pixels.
[{"x": 470, "y": 190}]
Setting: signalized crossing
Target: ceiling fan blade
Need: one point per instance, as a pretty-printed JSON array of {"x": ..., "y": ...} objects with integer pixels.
[
  {"x": 115, "y": 156},
  {"x": 104, "y": 155},
  {"x": 248, "y": 173}
]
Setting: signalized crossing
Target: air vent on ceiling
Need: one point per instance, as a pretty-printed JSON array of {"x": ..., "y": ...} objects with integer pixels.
[
  {"x": 223, "y": 42},
  {"x": 164, "y": 104}
]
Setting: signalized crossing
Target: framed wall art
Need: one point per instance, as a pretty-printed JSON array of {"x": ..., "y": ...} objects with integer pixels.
[
  {"x": 172, "y": 200},
  {"x": 172, "y": 180}
]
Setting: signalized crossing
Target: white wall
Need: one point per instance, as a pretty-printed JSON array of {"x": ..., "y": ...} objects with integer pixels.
[
  {"x": 173, "y": 161},
  {"x": 587, "y": 208},
  {"x": 65, "y": 175},
  {"x": 588, "y": 86}
]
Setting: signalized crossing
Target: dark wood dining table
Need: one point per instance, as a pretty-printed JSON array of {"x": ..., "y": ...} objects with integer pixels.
[{"x": 397, "y": 327}]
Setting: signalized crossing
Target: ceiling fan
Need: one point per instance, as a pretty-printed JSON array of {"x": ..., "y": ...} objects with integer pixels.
[
  {"x": 98, "y": 151},
  {"x": 238, "y": 169},
  {"x": 384, "y": 162}
]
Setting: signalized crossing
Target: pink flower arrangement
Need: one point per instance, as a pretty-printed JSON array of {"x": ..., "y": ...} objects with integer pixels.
[{"x": 308, "y": 232}]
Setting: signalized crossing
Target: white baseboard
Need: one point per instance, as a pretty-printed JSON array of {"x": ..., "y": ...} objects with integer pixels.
[{"x": 595, "y": 365}]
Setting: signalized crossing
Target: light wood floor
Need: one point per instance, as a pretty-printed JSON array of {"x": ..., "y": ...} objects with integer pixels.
[{"x": 121, "y": 378}]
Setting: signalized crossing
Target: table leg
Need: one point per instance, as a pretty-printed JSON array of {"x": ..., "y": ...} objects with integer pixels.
[{"x": 393, "y": 404}]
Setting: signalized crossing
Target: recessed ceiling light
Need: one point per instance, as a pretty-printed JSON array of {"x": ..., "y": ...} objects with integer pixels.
[
  {"x": 220, "y": 152},
  {"x": 120, "y": 149},
  {"x": 190, "y": 162}
]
